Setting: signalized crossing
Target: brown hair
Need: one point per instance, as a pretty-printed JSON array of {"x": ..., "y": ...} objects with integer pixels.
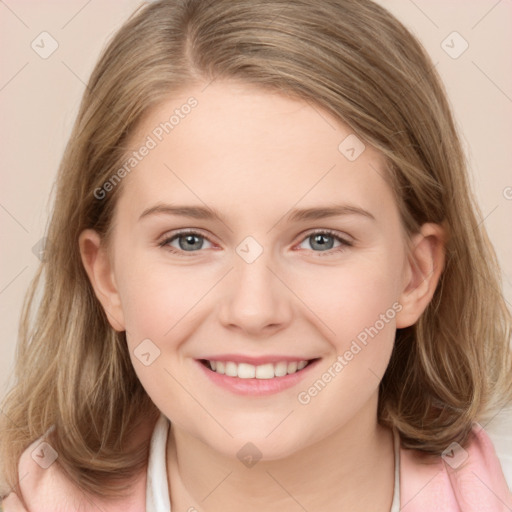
[{"x": 349, "y": 57}]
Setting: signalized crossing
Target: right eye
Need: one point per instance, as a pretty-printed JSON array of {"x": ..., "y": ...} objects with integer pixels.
[{"x": 187, "y": 241}]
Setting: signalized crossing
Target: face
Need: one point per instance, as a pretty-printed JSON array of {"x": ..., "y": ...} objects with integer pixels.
[{"x": 223, "y": 259}]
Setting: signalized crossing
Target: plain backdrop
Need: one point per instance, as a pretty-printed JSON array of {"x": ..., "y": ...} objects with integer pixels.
[{"x": 39, "y": 98}]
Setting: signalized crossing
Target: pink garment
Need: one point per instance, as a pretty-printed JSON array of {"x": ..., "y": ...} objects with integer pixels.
[
  {"x": 471, "y": 480},
  {"x": 475, "y": 483}
]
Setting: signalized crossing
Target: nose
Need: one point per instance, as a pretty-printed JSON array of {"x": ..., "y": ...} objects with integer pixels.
[{"x": 256, "y": 300}]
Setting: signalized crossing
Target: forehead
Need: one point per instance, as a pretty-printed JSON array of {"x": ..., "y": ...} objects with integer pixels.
[{"x": 243, "y": 145}]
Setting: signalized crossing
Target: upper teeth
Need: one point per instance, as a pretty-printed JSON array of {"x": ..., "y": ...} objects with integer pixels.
[{"x": 262, "y": 371}]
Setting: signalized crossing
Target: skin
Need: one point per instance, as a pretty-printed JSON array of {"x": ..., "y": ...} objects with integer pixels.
[{"x": 253, "y": 156}]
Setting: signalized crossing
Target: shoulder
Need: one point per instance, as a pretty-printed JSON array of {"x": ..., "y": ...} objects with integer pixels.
[
  {"x": 466, "y": 479},
  {"x": 44, "y": 487},
  {"x": 41, "y": 485}
]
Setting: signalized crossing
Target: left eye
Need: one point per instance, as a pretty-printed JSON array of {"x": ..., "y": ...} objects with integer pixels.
[
  {"x": 188, "y": 241},
  {"x": 191, "y": 241},
  {"x": 324, "y": 241}
]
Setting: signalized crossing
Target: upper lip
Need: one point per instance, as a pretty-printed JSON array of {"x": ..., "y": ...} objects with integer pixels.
[{"x": 256, "y": 361}]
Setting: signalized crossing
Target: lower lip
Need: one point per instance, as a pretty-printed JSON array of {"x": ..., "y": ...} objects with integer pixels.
[{"x": 256, "y": 387}]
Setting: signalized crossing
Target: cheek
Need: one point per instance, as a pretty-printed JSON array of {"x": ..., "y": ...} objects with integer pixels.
[
  {"x": 359, "y": 309},
  {"x": 157, "y": 299},
  {"x": 356, "y": 308},
  {"x": 347, "y": 300},
  {"x": 158, "y": 305}
]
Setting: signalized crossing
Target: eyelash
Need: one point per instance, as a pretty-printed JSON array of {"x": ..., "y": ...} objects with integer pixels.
[{"x": 344, "y": 243}]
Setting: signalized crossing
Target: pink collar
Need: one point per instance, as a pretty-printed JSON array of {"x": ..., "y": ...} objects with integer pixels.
[{"x": 462, "y": 480}]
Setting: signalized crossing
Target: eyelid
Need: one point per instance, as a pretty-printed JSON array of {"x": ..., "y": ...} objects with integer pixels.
[
  {"x": 345, "y": 237},
  {"x": 173, "y": 234}
]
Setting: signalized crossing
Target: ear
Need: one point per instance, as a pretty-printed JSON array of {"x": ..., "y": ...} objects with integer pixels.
[
  {"x": 422, "y": 271},
  {"x": 99, "y": 268}
]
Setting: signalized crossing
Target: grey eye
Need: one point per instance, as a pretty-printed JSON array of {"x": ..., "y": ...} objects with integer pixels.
[
  {"x": 188, "y": 242},
  {"x": 321, "y": 241}
]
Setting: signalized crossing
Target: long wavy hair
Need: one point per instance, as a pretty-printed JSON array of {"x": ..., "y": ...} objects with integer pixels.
[{"x": 356, "y": 61}]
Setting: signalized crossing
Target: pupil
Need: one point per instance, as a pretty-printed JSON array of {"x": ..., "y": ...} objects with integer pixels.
[
  {"x": 320, "y": 239},
  {"x": 190, "y": 242}
]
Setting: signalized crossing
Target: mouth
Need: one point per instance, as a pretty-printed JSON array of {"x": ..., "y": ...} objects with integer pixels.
[
  {"x": 250, "y": 371},
  {"x": 265, "y": 378}
]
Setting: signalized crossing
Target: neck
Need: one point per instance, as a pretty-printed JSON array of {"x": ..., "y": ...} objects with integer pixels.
[{"x": 333, "y": 474}]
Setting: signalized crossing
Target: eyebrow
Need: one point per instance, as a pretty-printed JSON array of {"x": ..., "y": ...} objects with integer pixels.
[{"x": 295, "y": 215}]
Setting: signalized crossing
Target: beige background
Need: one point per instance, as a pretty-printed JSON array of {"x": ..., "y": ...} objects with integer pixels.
[{"x": 39, "y": 99}]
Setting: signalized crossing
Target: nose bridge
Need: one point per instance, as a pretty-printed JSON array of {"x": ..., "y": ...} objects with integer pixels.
[{"x": 255, "y": 297}]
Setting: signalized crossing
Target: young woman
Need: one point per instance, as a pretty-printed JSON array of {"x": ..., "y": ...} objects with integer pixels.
[{"x": 266, "y": 285}]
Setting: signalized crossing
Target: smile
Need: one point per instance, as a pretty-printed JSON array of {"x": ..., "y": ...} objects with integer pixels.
[
  {"x": 250, "y": 371},
  {"x": 264, "y": 377}
]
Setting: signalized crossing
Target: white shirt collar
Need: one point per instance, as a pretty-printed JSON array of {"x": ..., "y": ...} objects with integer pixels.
[{"x": 157, "y": 488}]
